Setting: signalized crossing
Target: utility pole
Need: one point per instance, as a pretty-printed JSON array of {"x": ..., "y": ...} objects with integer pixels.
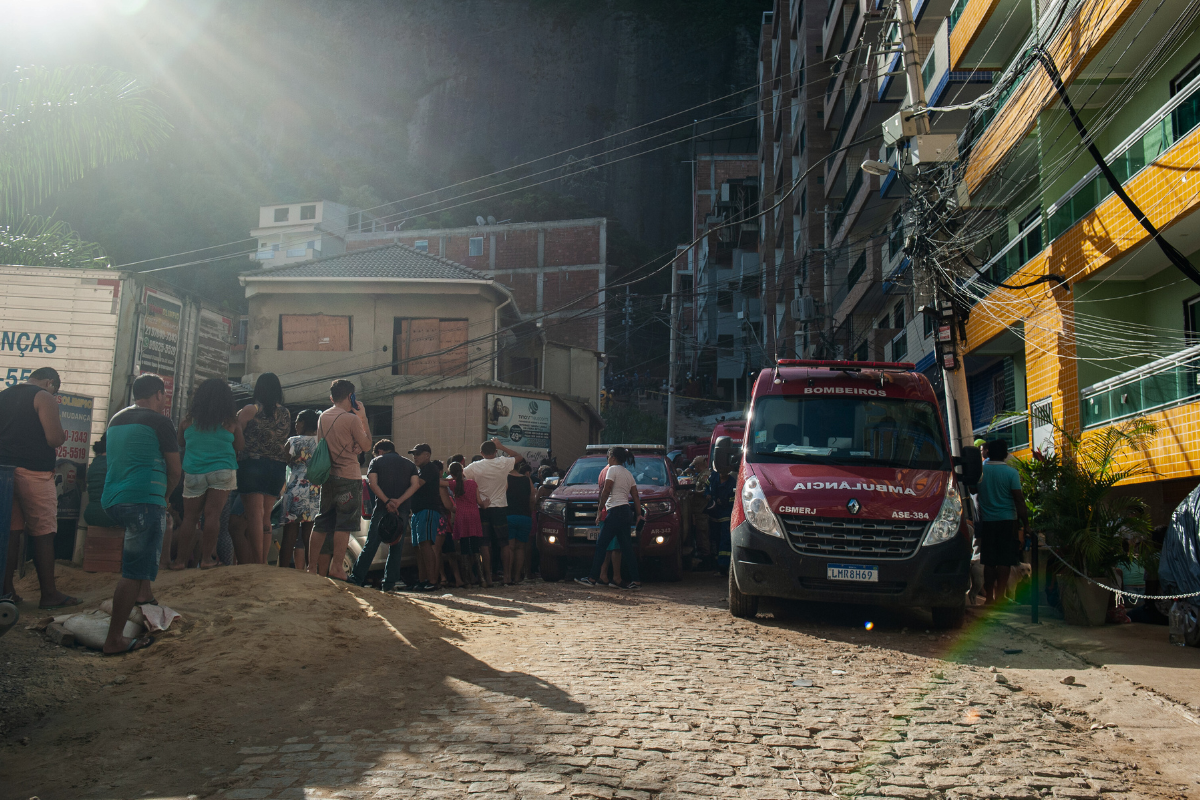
[
  {"x": 954, "y": 376},
  {"x": 671, "y": 368}
]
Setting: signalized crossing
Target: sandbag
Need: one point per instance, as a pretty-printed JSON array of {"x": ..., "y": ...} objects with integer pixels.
[
  {"x": 135, "y": 615},
  {"x": 91, "y": 629}
]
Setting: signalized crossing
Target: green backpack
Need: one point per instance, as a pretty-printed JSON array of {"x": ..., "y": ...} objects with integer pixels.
[{"x": 319, "y": 465}]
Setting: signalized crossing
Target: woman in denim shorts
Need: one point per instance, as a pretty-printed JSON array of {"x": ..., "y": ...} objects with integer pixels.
[
  {"x": 262, "y": 466},
  {"x": 211, "y": 437}
]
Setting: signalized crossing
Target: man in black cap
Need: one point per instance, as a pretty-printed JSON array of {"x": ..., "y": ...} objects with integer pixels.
[
  {"x": 429, "y": 503},
  {"x": 393, "y": 481}
]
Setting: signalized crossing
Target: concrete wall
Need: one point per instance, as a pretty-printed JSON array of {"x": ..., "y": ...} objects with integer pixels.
[
  {"x": 373, "y": 308},
  {"x": 573, "y": 371},
  {"x": 452, "y": 421}
]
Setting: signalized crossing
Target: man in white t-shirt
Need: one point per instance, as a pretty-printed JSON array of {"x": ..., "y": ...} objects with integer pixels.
[{"x": 491, "y": 476}]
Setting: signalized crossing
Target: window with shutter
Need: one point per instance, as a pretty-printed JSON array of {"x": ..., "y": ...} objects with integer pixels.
[
  {"x": 430, "y": 347},
  {"x": 314, "y": 332}
]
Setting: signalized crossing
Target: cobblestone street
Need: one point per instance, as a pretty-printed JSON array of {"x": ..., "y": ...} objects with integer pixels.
[
  {"x": 664, "y": 695},
  {"x": 562, "y": 691}
]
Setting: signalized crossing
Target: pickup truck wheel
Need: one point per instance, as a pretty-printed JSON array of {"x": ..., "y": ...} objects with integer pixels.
[
  {"x": 672, "y": 566},
  {"x": 948, "y": 617},
  {"x": 742, "y": 606},
  {"x": 551, "y": 569}
]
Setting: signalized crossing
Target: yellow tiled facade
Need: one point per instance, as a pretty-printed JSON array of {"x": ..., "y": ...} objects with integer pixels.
[
  {"x": 1163, "y": 192},
  {"x": 969, "y": 26},
  {"x": 1072, "y": 49}
]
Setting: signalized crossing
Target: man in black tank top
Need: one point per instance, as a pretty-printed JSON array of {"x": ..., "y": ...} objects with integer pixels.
[{"x": 30, "y": 432}]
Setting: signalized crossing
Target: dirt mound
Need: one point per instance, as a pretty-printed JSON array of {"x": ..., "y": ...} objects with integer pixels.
[{"x": 259, "y": 650}]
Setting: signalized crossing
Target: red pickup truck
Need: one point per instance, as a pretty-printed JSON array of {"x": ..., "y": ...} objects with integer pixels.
[{"x": 567, "y": 518}]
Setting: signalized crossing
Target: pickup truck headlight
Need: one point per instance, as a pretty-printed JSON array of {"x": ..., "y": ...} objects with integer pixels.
[
  {"x": 657, "y": 507},
  {"x": 945, "y": 525},
  {"x": 758, "y": 513},
  {"x": 554, "y": 508}
]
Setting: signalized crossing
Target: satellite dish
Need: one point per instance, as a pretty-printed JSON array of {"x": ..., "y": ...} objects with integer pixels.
[
  {"x": 480, "y": 221},
  {"x": 491, "y": 220}
]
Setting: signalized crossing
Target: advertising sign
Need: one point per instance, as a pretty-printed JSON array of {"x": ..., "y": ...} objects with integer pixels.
[
  {"x": 158, "y": 346},
  {"x": 520, "y": 423},
  {"x": 212, "y": 347},
  {"x": 70, "y": 460}
]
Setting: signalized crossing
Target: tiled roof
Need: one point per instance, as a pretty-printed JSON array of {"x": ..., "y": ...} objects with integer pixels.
[{"x": 389, "y": 261}]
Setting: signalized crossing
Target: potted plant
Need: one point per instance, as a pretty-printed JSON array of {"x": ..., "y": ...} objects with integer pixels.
[{"x": 1072, "y": 507}]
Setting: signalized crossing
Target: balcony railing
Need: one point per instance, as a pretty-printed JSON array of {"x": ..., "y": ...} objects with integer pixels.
[
  {"x": 1168, "y": 125},
  {"x": 1169, "y": 381},
  {"x": 829, "y": 12},
  {"x": 929, "y": 69},
  {"x": 837, "y": 65},
  {"x": 1174, "y": 120},
  {"x": 956, "y": 11},
  {"x": 847, "y": 201},
  {"x": 1016, "y": 254},
  {"x": 848, "y": 119},
  {"x": 856, "y": 271},
  {"x": 1014, "y": 430}
]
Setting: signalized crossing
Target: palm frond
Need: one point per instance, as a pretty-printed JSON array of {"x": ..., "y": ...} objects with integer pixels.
[
  {"x": 1070, "y": 499},
  {"x": 58, "y": 124},
  {"x": 43, "y": 242}
]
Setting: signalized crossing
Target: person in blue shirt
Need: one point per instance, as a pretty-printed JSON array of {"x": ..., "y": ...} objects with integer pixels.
[
  {"x": 721, "y": 486},
  {"x": 1001, "y": 505}
]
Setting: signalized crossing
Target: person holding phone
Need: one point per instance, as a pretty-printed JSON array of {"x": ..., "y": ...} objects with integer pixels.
[
  {"x": 262, "y": 472},
  {"x": 344, "y": 429}
]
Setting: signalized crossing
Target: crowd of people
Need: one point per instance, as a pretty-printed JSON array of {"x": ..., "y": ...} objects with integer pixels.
[{"x": 210, "y": 493}]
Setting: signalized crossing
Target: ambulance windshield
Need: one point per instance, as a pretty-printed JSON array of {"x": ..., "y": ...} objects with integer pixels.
[{"x": 872, "y": 431}]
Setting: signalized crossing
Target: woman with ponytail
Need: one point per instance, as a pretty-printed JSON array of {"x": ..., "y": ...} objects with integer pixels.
[{"x": 468, "y": 528}]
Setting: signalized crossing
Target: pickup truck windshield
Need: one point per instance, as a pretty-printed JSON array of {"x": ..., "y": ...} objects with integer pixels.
[
  {"x": 847, "y": 430},
  {"x": 647, "y": 471}
]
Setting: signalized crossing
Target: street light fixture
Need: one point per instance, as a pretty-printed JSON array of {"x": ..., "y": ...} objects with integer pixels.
[{"x": 879, "y": 168}]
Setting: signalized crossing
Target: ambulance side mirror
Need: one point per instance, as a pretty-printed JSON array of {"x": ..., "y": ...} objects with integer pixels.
[
  {"x": 969, "y": 466},
  {"x": 727, "y": 456}
]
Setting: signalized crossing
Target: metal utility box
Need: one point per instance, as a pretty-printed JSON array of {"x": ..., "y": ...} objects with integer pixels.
[
  {"x": 898, "y": 127},
  {"x": 934, "y": 148}
]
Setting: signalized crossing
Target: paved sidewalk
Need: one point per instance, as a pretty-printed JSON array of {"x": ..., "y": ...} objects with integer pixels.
[{"x": 1138, "y": 652}]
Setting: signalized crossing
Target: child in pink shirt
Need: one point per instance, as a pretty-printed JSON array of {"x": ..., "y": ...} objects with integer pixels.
[{"x": 468, "y": 528}]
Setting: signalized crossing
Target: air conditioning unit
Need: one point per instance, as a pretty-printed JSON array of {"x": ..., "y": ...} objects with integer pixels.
[{"x": 804, "y": 308}]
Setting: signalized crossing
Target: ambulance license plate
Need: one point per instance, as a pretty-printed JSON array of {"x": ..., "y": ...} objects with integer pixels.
[
  {"x": 592, "y": 533},
  {"x": 863, "y": 573}
]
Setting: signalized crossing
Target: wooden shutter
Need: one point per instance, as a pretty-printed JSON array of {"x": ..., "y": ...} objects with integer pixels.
[
  {"x": 454, "y": 341},
  {"x": 298, "y": 332},
  {"x": 333, "y": 334},
  {"x": 424, "y": 338}
]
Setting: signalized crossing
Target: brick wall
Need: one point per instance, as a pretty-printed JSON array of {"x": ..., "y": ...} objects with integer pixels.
[{"x": 522, "y": 255}]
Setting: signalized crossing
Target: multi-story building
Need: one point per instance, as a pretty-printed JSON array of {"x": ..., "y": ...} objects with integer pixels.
[
  {"x": 838, "y": 283},
  {"x": 1115, "y": 335},
  {"x": 291, "y": 232},
  {"x": 719, "y": 276}
]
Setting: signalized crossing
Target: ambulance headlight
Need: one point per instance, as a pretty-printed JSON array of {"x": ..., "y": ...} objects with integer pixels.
[
  {"x": 758, "y": 513},
  {"x": 945, "y": 525}
]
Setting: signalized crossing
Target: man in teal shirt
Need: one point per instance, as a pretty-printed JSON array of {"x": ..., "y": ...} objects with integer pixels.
[
  {"x": 143, "y": 469},
  {"x": 1001, "y": 504}
]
